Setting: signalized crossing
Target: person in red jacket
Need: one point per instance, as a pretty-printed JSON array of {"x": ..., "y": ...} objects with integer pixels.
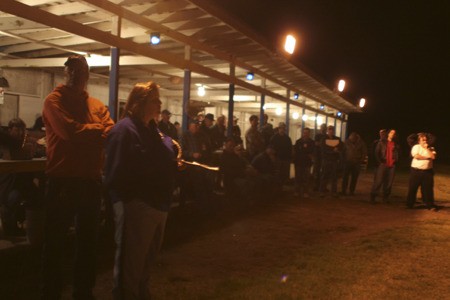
[{"x": 76, "y": 127}]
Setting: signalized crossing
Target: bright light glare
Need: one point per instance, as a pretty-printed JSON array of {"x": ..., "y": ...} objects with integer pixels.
[
  {"x": 362, "y": 102},
  {"x": 319, "y": 120},
  {"x": 289, "y": 44},
  {"x": 305, "y": 118},
  {"x": 341, "y": 85},
  {"x": 295, "y": 115},
  {"x": 155, "y": 38},
  {"x": 279, "y": 111},
  {"x": 201, "y": 91}
]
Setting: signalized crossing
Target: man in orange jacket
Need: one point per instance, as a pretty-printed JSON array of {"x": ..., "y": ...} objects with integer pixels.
[{"x": 76, "y": 127}]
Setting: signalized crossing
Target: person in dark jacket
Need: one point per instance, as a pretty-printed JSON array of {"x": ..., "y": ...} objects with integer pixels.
[
  {"x": 303, "y": 159},
  {"x": 355, "y": 153},
  {"x": 331, "y": 150},
  {"x": 166, "y": 127},
  {"x": 139, "y": 175},
  {"x": 282, "y": 144},
  {"x": 386, "y": 156}
]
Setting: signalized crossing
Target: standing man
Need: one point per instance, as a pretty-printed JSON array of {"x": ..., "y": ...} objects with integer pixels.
[
  {"x": 76, "y": 128},
  {"x": 166, "y": 126},
  {"x": 422, "y": 173},
  {"x": 318, "y": 155},
  {"x": 386, "y": 155},
  {"x": 254, "y": 141},
  {"x": 303, "y": 156},
  {"x": 266, "y": 130},
  {"x": 282, "y": 144},
  {"x": 355, "y": 152},
  {"x": 331, "y": 147}
]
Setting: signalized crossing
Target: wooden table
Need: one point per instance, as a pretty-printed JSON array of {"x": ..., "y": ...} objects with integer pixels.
[{"x": 18, "y": 166}]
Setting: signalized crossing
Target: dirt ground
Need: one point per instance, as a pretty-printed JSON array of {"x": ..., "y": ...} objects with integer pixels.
[{"x": 200, "y": 250}]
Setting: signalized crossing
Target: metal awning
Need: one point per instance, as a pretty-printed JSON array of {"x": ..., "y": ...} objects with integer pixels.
[{"x": 40, "y": 33}]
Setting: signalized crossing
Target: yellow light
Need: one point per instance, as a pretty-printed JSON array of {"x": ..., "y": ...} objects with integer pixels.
[
  {"x": 289, "y": 44},
  {"x": 341, "y": 85},
  {"x": 279, "y": 111},
  {"x": 201, "y": 91},
  {"x": 319, "y": 120},
  {"x": 362, "y": 102}
]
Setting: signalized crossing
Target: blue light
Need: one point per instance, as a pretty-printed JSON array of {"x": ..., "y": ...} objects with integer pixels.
[
  {"x": 322, "y": 107},
  {"x": 339, "y": 114},
  {"x": 296, "y": 96},
  {"x": 155, "y": 38},
  {"x": 250, "y": 76}
]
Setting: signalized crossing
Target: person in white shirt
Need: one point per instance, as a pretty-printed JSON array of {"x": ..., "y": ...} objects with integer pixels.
[{"x": 422, "y": 173}]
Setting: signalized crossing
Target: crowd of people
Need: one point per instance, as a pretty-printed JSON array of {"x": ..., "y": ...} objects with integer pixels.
[{"x": 138, "y": 166}]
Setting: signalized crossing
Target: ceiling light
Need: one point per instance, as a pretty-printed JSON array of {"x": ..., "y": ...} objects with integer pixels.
[
  {"x": 296, "y": 96},
  {"x": 201, "y": 91},
  {"x": 295, "y": 115},
  {"x": 339, "y": 114},
  {"x": 322, "y": 107},
  {"x": 250, "y": 76},
  {"x": 305, "y": 117},
  {"x": 279, "y": 111},
  {"x": 155, "y": 38}
]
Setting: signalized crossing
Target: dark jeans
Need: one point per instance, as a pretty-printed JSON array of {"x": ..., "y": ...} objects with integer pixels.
[
  {"x": 384, "y": 177},
  {"x": 424, "y": 179},
  {"x": 329, "y": 173},
  {"x": 68, "y": 200},
  {"x": 317, "y": 172},
  {"x": 351, "y": 169},
  {"x": 302, "y": 176}
]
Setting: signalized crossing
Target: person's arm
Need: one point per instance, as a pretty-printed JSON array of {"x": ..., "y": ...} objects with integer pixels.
[
  {"x": 66, "y": 127},
  {"x": 415, "y": 153},
  {"x": 106, "y": 121}
]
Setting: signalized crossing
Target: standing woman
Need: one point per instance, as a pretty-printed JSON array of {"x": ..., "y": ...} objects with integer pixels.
[
  {"x": 140, "y": 171},
  {"x": 421, "y": 172}
]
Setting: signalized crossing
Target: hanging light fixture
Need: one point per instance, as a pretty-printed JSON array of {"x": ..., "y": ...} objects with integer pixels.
[
  {"x": 250, "y": 76},
  {"x": 296, "y": 96}
]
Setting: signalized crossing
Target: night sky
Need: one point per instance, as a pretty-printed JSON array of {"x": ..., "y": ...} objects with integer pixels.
[{"x": 396, "y": 54}]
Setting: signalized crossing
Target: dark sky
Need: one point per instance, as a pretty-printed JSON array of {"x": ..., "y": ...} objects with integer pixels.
[{"x": 396, "y": 54}]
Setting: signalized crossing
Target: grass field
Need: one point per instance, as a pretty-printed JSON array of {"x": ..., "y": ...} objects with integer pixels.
[{"x": 317, "y": 248}]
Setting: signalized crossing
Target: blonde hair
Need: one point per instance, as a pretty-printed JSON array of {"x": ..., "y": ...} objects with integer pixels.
[{"x": 139, "y": 95}]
